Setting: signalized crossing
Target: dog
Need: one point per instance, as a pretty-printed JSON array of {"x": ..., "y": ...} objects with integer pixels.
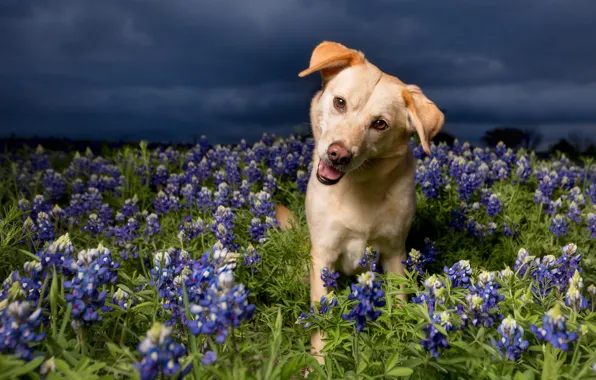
[{"x": 361, "y": 191}]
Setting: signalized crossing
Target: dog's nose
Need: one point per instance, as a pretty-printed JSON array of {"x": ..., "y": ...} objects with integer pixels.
[{"x": 338, "y": 154}]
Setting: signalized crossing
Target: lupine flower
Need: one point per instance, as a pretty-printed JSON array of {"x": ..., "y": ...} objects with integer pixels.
[
  {"x": 482, "y": 300},
  {"x": 370, "y": 260},
  {"x": 19, "y": 323},
  {"x": 523, "y": 170},
  {"x": 459, "y": 273},
  {"x": 189, "y": 229},
  {"x": 161, "y": 355},
  {"x": 435, "y": 293},
  {"x": 251, "y": 258},
  {"x": 559, "y": 225},
  {"x": 554, "y": 329},
  {"x": 43, "y": 229},
  {"x": 553, "y": 207},
  {"x": 94, "y": 225},
  {"x": 93, "y": 268},
  {"x": 153, "y": 227},
  {"x": 369, "y": 295},
  {"x": 436, "y": 340},
  {"x": 574, "y": 298},
  {"x": 512, "y": 339},
  {"x": 165, "y": 204},
  {"x": 209, "y": 358},
  {"x": 574, "y": 212},
  {"x": 329, "y": 277},
  {"x": 302, "y": 181}
]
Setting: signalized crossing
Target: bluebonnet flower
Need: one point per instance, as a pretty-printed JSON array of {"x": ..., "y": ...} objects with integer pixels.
[
  {"x": 161, "y": 175},
  {"x": 39, "y": 160},
  {"x": 19, "y": 324},
  {"x": 251, "y": 258},
  {"x": 552, "y": 207},
  {"x": 459, "y": 273},
  {"x": 370, "y": 260},
  {"x": 38, "y": 205},
  {"x": 554, "y": 329},
  {"x": 57, "y": 253},
  {"x": 369, "y": 295},
  {"x": 482, "y": 300},
  {"x": 270, "y": 182},
  {"x": 222, "y": 305},
  {"x": 92, "y": 269},
  {"x": 436, "y": 340},
  {"x": 126, "y": 233},
  {"x": 327, "y": 302},
  {"x": 523, "y": 262},
  {"x": 164, "y": 204},
  {"x": 53, "y": 184},
  {"x": 591, "y": 221},
  {"x": 510, "y": 231},
  {"x": 161, "y": 355},
  {"x": 559, "y": 225},
  {"x": 523, "y": 169},
  {"x": 575, "y": 195},
  {"x": 548, "y": 183},
  {"x": 223, "y": 227},
  {"x": 307, "y": 319},
  {"x": 43, "y": 229},
  {"x": 539, "y": 197},
  {"x": 209, "y": 358},
  {"x": 153, "y": 227},
  {"x": 205, "y": 199},
  {"x": 302, "y": 181},
  {"x": 493, "y": 205},
  {"x": 574, "y": 298},
  {"x": 574, "y": 213},
  {"x": 435, "y": 293},
  {"x": 329, "y": 277},
  {"x": 429, "y": 177},
  {"x": 221, "y": 197},
  {"x": 189, "y": 193},
  {"x": 252, "y": 172},
  {"x": 512, "y": 339},
  {"x": 129, "y": 209},
  {"x": 122, "y": 298},
  {"x": 416, "y": 260},
  {"x": 189, "y": 229},
  {"x": 500, "y": 170},
  {"x": 94, "y": 225}
]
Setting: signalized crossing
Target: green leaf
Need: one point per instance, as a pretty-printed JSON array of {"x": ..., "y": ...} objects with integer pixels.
[
  {"x": 392, "y": 361},
  {"x": 400, "y": 372},
  {"x": 24, "y": 369}
]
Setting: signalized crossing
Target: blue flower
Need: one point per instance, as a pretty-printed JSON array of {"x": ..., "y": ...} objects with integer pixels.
[
  {"x": 369, "y": 295},
  {"x": 251, "y": 258},
  {"x": 591, "y": 221},
  {"x": 153, "y": 227},
  {"x": 19, "y": 324},
  {"x": 482, "y": 300},
  {"x": 459, "y": 273},
  {"x": 370, "y": 260},
  {"x": 554, "y": 329},
  {"x": 209, "y": 358},
  {"x": 435, "y": 340},
  {"x": 329, "y": 277},
  {"x": 161, "y": 355},
  {"x": 559, "y": 225},
  {"x": 512, "y": 339},
  {"x": 574, "y": 298}
]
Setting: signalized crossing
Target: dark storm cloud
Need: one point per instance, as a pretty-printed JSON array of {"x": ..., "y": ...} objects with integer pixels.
[{"x": 228, "y": 69}]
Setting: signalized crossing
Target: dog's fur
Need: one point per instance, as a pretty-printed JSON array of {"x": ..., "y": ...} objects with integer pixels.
[{"x": 373, "y": 203}]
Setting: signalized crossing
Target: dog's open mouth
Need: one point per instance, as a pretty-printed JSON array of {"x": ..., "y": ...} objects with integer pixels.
[{"x": 328, "y": 175}]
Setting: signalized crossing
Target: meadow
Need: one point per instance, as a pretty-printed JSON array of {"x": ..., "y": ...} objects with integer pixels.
[{"x": 168, "y": 262}]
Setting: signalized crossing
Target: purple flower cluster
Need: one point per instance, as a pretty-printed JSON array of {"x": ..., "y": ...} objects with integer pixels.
[
  {"x": 482, "y": 302},
  {"x": 417, "y": 260},
  {"x": 161, "y": 355},
  {"x": 369, "y": 295},
  {"x": 459, "y": 274},
  {"x": 512, "y": 339},
  {"x": 554, "y": 329},
  {"x": 19, "y": 324}
]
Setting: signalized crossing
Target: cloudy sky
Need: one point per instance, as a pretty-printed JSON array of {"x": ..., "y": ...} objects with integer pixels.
[{"x": 174, "y": 70}]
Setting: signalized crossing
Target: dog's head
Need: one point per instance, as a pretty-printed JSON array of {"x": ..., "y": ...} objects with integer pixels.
[{"x": 362, "y": 114}]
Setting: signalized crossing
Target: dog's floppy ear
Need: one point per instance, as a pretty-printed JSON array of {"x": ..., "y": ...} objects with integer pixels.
[
  {"x": 330, "y": 58},
  {"x": 424, "y": 116}
]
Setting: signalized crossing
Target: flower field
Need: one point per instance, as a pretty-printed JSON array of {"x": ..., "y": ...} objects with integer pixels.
[{"x": 168, "y": 262}]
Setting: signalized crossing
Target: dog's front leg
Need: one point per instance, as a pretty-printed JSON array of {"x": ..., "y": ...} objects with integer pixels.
[
  {"x": 320, "y": 259},
  {"x": 393, "y": 263}
]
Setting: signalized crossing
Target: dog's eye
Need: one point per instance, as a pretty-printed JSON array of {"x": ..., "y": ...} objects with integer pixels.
[
  {"x": 339, "y": 103},
  {"x": 380, "y": 125}
]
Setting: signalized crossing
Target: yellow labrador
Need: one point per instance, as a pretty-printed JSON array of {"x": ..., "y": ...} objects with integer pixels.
[{"x": 361, "y": 191}]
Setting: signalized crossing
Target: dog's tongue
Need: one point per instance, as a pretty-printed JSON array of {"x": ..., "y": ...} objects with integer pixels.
[{"x": 329, "y": 172}]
